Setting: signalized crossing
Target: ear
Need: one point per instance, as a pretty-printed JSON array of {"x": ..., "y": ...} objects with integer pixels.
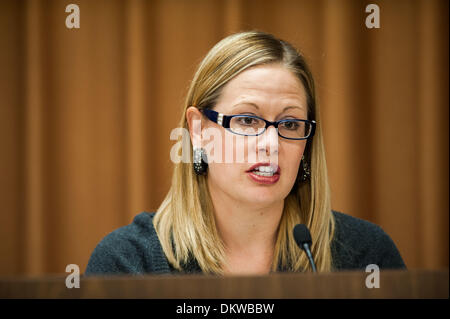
[{"x": 194, "y": 121}]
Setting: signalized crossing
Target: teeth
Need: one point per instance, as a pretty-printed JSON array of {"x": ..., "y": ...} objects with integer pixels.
[
  {"x": 262, "y": 173},
  {"x": 265, "y": 171}
]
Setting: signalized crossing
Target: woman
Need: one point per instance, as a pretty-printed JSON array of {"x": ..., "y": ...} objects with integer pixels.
[{"x": 237, "y": 217}]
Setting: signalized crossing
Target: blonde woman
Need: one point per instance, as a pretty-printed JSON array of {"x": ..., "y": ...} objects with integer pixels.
[{"x": 254, "y": 94}]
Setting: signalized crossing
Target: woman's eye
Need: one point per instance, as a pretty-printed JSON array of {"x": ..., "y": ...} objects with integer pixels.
[
  {"x": 247, "y": 120},
  {"x": 290, "y": 125}
]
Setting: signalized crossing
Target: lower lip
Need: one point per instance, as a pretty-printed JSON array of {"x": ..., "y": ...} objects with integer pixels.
[{"x": 264, "y": 179}]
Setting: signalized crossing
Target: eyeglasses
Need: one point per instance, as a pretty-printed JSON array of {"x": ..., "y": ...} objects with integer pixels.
[{"x": 250, "y": 125}]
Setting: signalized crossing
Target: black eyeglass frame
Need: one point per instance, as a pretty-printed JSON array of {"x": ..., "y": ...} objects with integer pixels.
[{"x": 224, "y": 121}]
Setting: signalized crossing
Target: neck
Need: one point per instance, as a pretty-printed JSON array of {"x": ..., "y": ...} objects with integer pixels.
[{"x": 246, "y": 229}]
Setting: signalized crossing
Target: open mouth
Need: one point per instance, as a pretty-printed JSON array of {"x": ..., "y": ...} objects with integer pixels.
[{"x": 265, "y": 173}]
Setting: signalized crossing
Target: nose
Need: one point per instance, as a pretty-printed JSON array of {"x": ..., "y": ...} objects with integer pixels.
[{"x": 268, "y": 141}]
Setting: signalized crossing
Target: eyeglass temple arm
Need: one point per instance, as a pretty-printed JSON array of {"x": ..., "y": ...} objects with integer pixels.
[
  {"x": 313, "y": 129},
  {"x": 218, "y": 118},
  {"x": 212, "y": 115}
]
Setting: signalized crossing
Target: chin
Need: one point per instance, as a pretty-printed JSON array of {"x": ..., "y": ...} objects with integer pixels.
[{"x": 262, "y": 195}]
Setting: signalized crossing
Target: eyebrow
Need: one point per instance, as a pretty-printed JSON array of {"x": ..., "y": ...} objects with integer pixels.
[{"x": 256, "y": 106}]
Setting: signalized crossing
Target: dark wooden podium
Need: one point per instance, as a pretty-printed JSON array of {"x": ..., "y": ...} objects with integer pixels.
[{"x": 393, "y": 284}]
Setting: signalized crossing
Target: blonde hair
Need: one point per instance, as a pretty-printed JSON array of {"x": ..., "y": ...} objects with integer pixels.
[{"x": 185, "y": 221}]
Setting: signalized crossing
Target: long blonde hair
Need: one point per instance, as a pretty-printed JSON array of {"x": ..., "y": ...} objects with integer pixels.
[{"x": 185, "y": 221}]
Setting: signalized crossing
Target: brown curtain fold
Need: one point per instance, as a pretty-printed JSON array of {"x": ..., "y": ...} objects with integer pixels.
[{"x": 86, "y": 114}]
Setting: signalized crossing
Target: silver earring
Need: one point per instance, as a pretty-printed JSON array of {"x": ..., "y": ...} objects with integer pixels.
[
  {"x": 306, "y": 173},
  {"x": 200, "y": 161}
]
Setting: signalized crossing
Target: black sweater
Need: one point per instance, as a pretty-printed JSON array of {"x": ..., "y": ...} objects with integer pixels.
[{"x": 135, "y": 248}]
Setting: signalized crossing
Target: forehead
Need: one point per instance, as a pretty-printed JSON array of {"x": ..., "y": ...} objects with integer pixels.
[{"x": 265, "y": 85}]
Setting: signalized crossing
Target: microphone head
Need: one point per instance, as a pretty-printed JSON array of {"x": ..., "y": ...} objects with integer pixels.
[{"x": 302, "y": 235}]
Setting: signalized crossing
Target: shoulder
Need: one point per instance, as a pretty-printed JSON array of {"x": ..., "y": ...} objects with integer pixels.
[
  {"x": 358, "y": 243},
  {"x": 131, "y": 249},
  {"x": 353, "y": 227}
]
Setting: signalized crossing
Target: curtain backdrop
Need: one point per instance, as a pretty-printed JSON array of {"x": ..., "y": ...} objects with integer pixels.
[{"x": 86, "y": 114}]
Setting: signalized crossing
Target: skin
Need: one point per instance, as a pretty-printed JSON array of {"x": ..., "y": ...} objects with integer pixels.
[{"x": 248, "y": 213}]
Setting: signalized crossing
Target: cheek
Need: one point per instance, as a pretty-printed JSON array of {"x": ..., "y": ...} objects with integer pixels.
[
  {"x": 225, "y": 176},
  {"x": 291, "y": 157},
  {"x": 235, "y": 148}
]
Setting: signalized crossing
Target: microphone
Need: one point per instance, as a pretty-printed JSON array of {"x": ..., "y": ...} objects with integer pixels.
[{"x": 303, "y": 239}]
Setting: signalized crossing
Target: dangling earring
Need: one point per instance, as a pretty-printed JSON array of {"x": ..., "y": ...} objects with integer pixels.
[
  {"x": 306, "y": 173},
  {"x": 200, "y": 161}
]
